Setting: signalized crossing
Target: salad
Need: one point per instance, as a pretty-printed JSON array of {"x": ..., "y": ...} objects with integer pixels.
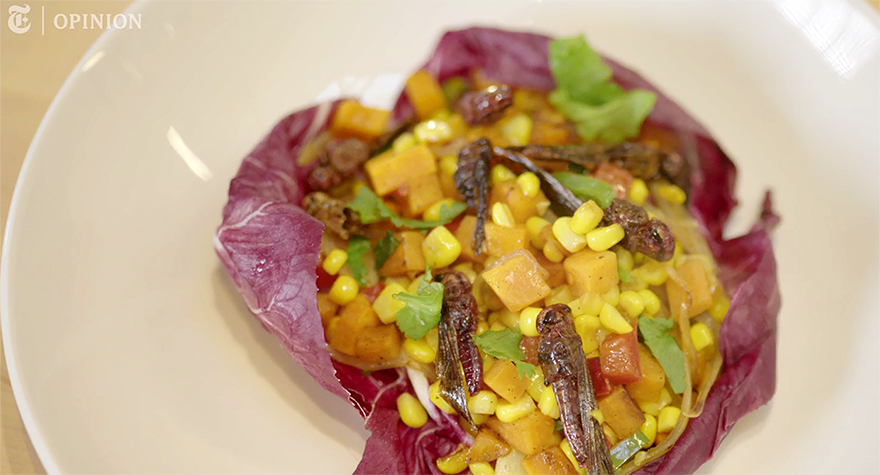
[{"x": 518, "y": 269}]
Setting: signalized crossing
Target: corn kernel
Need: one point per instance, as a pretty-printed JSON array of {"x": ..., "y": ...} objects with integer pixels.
[
  {"x": 586, "y": 218},
  {"x": 468, "y": 270},
  {"x": 701, "y": 336},
  {"x": 671, "y": 193},
  {"x": 602, "y": 239},
  {"x": 654, "y": 408},
  {"x": 480, "y": 419},
  {"x": 432, "y": 131},
  {"x": 528, "y": 320},
  {"x": 547, "y": 403},
  {"x": 587, "y": 304},
  {"x": 484, "y": 402},
  {"x": 610, "y": 435},
  {"x": 570, "y": 240},
  {"x": 481, "y": 468},
  {"x": 541, "y": 207},
  {"x": 501, "y": 173},
  {"x": 508, "y": 318},
  {"x": 597, "y": 414},
  {"x": 566, "y": 449},
  {"x": 413, "y": 286},
  {"x": 334, "y": 261},
  {"x": 502, "y": 216},
  {"x": 440, "y": 248},
  {"x": 405, "y": 141},
  {"x": 498, "y": 326},
  {"x": 356, "y": 188},
  {"x": 419, "y": 350},
  {"x": 537, "y": 387},
  {"x": 386, "y": 306},
  {"x": 667, "y": 418},
  {"x": 411, "y": 411},
  {"x": 449, "y": 165},
  {"x": 638, "y": 192},
  {"x": 613, "y": 320},
  {"x": 552, "y": 253},
  {"x": 633, "y": 303},
  {"x": 517, "y": 129},
  {"x": 509, "y": 412},
  {"x": 719, "y": 308},
  {"x": 437, "y": 399},
  {"x": 344, "y": 290},
  {"x": 652, "y": 272},
  {"x": 585, "y": 324},
  {"x": 433, "y": 211},
  {"x": 482, "y": 327},
  {"x": 678, "y": 255},
  {"x": 612, "y": 296},
  {"x": 651, "y": 301},
  {"x": 649, "y": 428},
  {"x": 529, "y": 183},
  {"x": 455, "y": 462},
  {"x": 559, "y": 295},
  {"x": 624, "y": 259},
  {"x": 432, "y": 339},
  {"x": 535, "y": 225}
]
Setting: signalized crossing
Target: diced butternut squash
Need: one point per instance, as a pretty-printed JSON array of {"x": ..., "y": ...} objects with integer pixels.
[
  {"x": 465, "y": 235},
  {"x": 389, "y": 171},
  {"x": 425, "y": 94},
  {"x": 503, "y": 378},
  {"x": 621, "y": 413},
  {"x": 378, "y": 344},
  {"x": 502, "y": 240},
  {"x": 529, "y": 434},
  {"x": 407, "y": 259},
  {"x": 518, "y": 280},
  {"x": 487, "y": 447},
  {"x": 619, "y": 355},
  {"x": 354, "y": 120},
  {"x": 360, "y": 312},
  {"x": 422, "y": 192},
  {"x": 522, "y": 207},
  {"x": 694, "y": 274},
  {"x": 326, "y": 307},
  {"x": 551, "y": 460},
  {"x": 619, "y": 178},
  {"x": 588, "y": 271},
  {"x": 556, "y": 270},
  {"x": 647, "y": 390},
  {"x": 342, "y": 333}
]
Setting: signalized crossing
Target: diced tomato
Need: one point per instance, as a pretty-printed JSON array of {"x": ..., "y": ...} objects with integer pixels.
[
  {"x": 619, "y": 355},
  {"x": 619, "y": 178},
  {"x": 601, "y": 385},
  {"x": 372, "y": 292},
  {"x": 324, "y": 280},
  {"x": 452, "y": 226}
]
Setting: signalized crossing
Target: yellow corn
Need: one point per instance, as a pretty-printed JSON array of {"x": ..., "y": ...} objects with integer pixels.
[
  {"x": 671, "y": 193},
  {"x": 649, "y": 428},
  {"x": 334, "y": 261},
  {"x": 678, "y": 255},
  {"x": 449, "y": 164},
  {"x": 570, "y": 240},
  {"x": 537, "y": 387},
  {"x": 433, "y": 211},
  {"x": 651, "y": 301},
  {"x": 419, "y": 350},
  {"x": 411, "y": 411},
  {"x": 602, "y": 239},
  {"x": 552, "y": 253},
  {"x": 597, "y": 414},
  {"x": 547, "y": 403},
  {"x": 566, "y": 449},
  {"x": 405, "y": 141},
  {"x": 528, "y": 319},
  {"x": 612, "y": 296},
  {"x": 432, "y": 131},
  {"x": 479, "y": 419},
  {"x": 440, "y": 248},
  {"x": 432, "y": 339},
  {"x": 586, "y": 218},
  {"x": 498, "y": 326},
  {"x": 501, "y": 173},
  {"x": 468, "y": 270},
  {"x": 517, "y": 129},
  {"x": 638, "y": 192},
  {"x": 502, "y": 216},
  {"x": 624, "y": 260},
  {"x": 402, "y": 281},
  {"x": 344, "y": 290},
  {"x": 559, "y": 295},
  {"x": 482, "y": 327},
  {"x": 587, "y": 304},
  {"x": 613, "y": 320},
  {"x": 610, "y": 435},
  {"x": 667, "y": 418},
  {"x": 481, "y": 468},
  {"x": 701, "y": 336},
  {"x": 541, "y": 207},
  {"x": 484, "y": 402},
  {"x": 719, "y": 308},
  {"x": 652, "y": 272},
  {"x": 455, "y": 462},
  {"x": 413, "y": 286},
  {"x": 356, "y": 188},
  {"x": 509, "y": 412},
  {"x": 654, "y": 408},
  {"x": 633, "y": 303},
  {"x": 529, "y": 183},
  {"x": 535, "y": 224},
  {"x": 437, "y": 399},
  {"x": 386, "y": 306},
  {"x": 583, "y": 324}
]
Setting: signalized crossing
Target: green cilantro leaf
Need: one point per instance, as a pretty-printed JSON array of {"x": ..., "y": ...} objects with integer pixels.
[
  {"x": 422, "y": 311},
  {"x": 371, "y": 209},
  {"x": 625, "y": 275},
  {"x": 656, "y": 332},
  {"x": 358, "y": 246},
  {"x": 505, "y": 344},
  {"x": 384, "y": 248}
]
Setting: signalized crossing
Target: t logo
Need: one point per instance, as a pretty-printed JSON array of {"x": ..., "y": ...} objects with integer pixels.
[{"x": 18, "y": 20}]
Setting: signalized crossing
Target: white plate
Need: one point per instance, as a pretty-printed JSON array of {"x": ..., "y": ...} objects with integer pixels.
[{"x": 130, "y": 351}]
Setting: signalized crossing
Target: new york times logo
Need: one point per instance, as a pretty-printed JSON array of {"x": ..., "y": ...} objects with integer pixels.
[{"x": 18, "y": 20}]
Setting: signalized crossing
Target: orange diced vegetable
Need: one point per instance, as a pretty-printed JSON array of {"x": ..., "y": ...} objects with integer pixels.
[
  {"x": 326, "y": 307},
  {"x": 465, "y": 235},
  {"x": 487, "y": 447},
  {"x": 422, "y": 192},
  {"x": 378, "y": 344},
  {"x": 518, "y": 280},
  {"x": 619, "y": 355},
  {"x": 588, "y": 271},
  {"x": 354, "y": 120},
  {"x": 694, "y": 274},
  {"x": 522, "y": 207},
  {"x": 619, "y": 178},
  {"x": 647, "y": 390},
  {"x": 342, "y": 333},
  {"x": 425, "y": 94},
  {"x": 360, "y": 312},
  {"x": 529, "y": 434},
  {"x": 501, "y": 240},
  {"x": 556, "y": 270},
  {"x": 551, "y": 460},
  {"x": 503, "y": 378},
  {"x": 621, "y": 413},
  {"x": 390, "y": 170},
  {"x": 407, "y": 259}
]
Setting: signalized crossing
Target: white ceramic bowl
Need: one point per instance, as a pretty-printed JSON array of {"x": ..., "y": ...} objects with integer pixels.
[{"x": 130, "y": 351}]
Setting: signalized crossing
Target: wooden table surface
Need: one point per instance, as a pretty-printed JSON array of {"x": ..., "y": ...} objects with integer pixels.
[{"x": 32, "y": 69}]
